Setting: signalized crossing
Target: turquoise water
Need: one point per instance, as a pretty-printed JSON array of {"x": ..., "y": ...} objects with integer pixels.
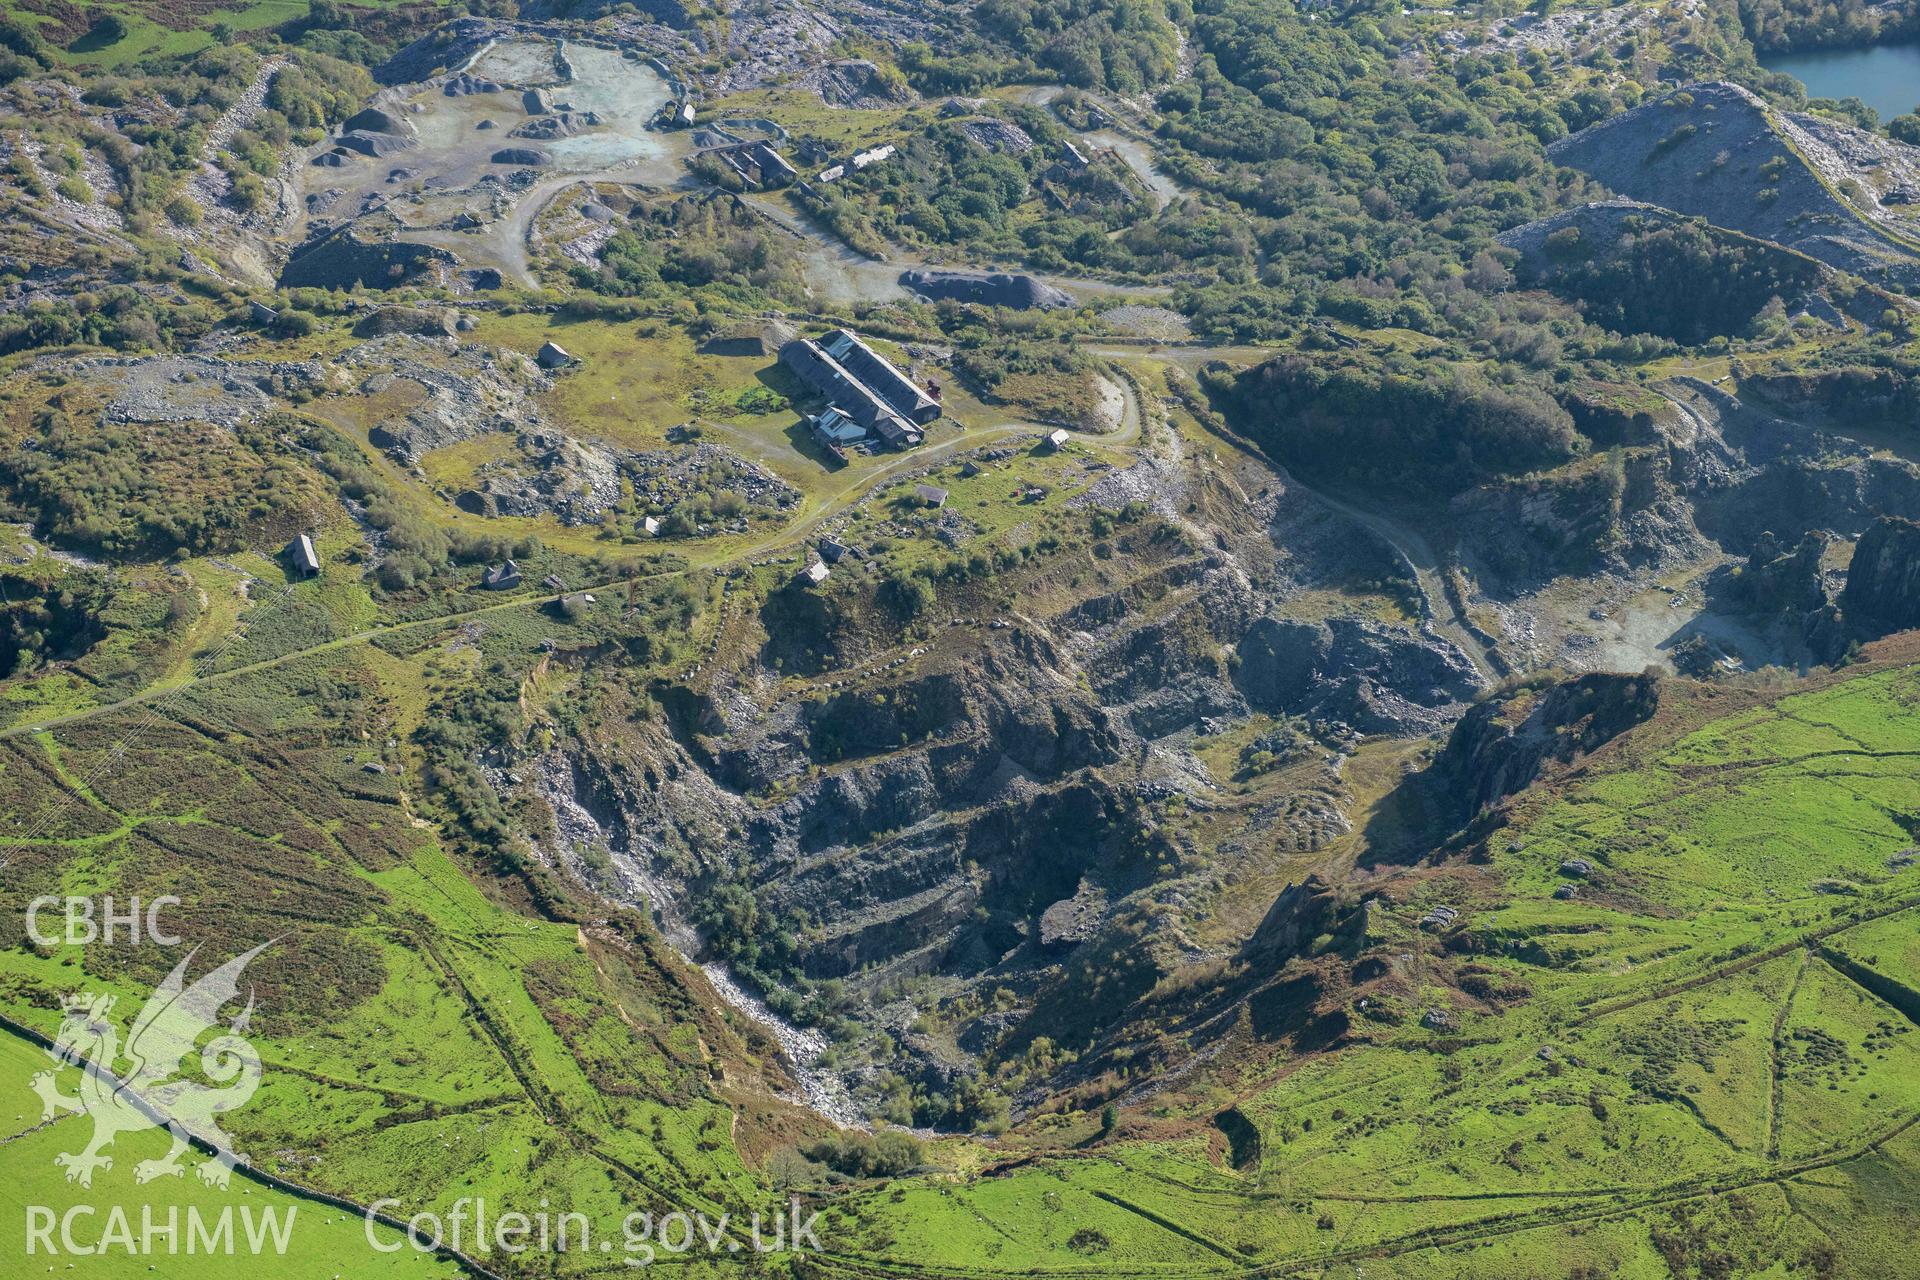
[{"x": 1886, "y": 77}]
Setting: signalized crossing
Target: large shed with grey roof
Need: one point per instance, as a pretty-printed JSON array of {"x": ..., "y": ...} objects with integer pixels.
[
  {"x": 834, "y": 382},
  {"x": 879, "y": 373}
]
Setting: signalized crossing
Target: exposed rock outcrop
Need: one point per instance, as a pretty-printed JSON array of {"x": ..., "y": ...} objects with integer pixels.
[
  {"x": 1373, "y": 678},
  {"x": 1775, "y": 581},
  {"x": 420, "y": 321},
  {"x": 1882, "y": 594},
  {"x": 1300, "y": 914},
  {"x": 856, "y": 82},
  {"x": 578, "y": 481},
  {"x": 1669, "y": 152},
  {"x": 189, "y": 389},
  {"x": 458, "y": 392},
  {"x": 1503, "y": 744},
  {"x": 341, "y": 260},
  {"x": 997, "y": 135}
]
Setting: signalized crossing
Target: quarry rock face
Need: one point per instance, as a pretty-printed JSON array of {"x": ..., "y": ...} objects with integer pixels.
[
  {"x": 1882, "y": 594},
  {"x": 1376, "y": 679},
  {"x": 1887, "y": 395},
  {"x": 1791, "y": 587},
  {"x": 1502, "y": 744},
  {"x": 1279, "y": 659},
  {"x": 1777, "y": 581}
]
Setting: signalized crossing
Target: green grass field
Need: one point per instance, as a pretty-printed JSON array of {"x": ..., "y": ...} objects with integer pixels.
[{"x": 320, "y": 1240}]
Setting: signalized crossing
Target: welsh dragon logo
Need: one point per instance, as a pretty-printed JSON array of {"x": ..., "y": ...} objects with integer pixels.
[{"x": 154, "y": 1089}]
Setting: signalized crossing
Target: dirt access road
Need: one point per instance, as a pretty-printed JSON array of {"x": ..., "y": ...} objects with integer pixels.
[
  {"x": 1441, "y": 606},
  {"x": 829, "y": 506}
]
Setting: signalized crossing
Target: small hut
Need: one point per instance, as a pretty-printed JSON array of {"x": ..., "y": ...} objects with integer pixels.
[
  {"x": 301, "y": 557},
  {"x": 501, "y": 577}
]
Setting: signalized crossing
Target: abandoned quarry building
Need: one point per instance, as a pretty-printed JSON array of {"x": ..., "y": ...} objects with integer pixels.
[
  {"x": 833, "y": 425},
  {"x": 879, "y": 373},
  {"x": 501, "y": 577},
  {"x": 756, "y": 164},
  {"x": 866, "y": 395},
  {"x": 859, "y": 161},
  {"x": 1057, "y": 439},
  {"x": 301, "y": 557},
  {"x": 813, "y": 575}
]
